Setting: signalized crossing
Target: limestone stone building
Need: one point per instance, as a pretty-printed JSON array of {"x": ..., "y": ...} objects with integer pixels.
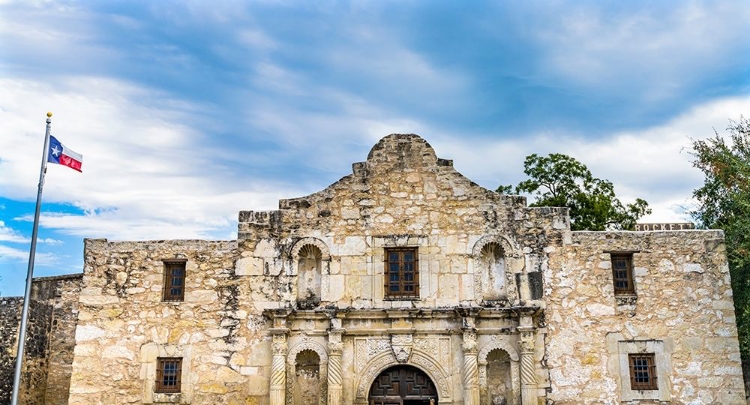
[{"x": 406, "y": 283}]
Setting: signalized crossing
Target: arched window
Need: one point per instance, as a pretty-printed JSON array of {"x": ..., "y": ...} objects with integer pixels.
[
  {"x": 494, "y": 271},
  {"x": 308, "y": 277}
]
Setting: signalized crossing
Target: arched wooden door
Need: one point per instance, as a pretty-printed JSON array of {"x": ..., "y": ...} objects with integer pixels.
[{"x": 403, "y": 385}]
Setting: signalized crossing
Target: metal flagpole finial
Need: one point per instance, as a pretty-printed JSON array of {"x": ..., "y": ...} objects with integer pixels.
[{"x": 49, "y": 114}]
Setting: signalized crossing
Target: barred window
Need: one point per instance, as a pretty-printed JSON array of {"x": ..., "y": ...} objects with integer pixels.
[
  {"x": 174, "y": 281},
  {"x": 642, "y": 371},
  {"x": 168, "y": 374},
  {"x": 401, "y": 273},
  {"x": 622, "y": 273}
]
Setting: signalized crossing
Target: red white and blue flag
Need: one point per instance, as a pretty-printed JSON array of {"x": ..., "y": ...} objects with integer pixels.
[{"x": 62, "y": 155}]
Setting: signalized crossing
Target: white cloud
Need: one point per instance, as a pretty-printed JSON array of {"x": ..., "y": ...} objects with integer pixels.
[
  {"x": 651, "y": 49},
  {"x": 50, "y": 241},
  {"x": 8, "y": 234},
  {"x": 9, "y": 254},
  {"x": 652, "y": 163},
  {"x": 145, "y": 174}
]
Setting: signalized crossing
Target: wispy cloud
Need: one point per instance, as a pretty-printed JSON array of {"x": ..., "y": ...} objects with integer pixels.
[
  {"x": 8, "y": 234},
  {"x": 9, "y": 254},
  {"x": 187, "y": 113}
]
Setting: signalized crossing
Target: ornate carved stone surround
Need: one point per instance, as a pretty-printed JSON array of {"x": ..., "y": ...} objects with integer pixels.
[{"x": 379, "y": 339}]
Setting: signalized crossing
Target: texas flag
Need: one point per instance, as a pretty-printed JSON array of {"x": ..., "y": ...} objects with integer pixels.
[{"x": 62, "y": 155}]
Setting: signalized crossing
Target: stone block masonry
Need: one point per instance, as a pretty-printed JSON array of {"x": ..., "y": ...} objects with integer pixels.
[
  {"x": 50, "y": 338},
  {"x": 682, "y": 311},
  {"x": 403, "y": 271}
]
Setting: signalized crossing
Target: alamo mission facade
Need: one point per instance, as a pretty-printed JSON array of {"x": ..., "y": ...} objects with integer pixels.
[{"x": 406, "y": 283}]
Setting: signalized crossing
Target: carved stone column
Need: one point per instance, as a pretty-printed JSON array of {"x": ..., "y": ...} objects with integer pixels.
[
  {"x": 528, "y": 369},
  {"x": 335, "y": 349},
  {"x": 483, "y": 382},
  {"x": 278, "y": 369},
  {"x": 471, "y": 369}
]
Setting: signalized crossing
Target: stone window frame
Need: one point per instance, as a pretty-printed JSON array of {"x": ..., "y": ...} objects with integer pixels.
[
  {"x": 619, "y": 349},
  {"x": 401, "y": 294},
  {"x": 161, "y": 370},
  {"x": 150, "y": 353},
  {"x": 167, "y": 294}
]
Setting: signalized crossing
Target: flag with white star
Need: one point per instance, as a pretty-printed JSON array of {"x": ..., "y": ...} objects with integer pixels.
[{"x": 62, "y": 155}]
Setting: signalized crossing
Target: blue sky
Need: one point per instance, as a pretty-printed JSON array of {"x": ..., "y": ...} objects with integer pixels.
[{"x": 187, "y": 112}]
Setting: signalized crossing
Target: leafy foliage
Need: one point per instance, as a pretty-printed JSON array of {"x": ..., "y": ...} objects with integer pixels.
[
  {"x": 559, "y": 180},
  {"x": 724, "y": 203}
]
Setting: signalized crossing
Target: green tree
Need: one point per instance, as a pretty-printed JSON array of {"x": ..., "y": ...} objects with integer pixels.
[
  {"x": 724, "y": 203},
  {"x": 559, "y": 180}
]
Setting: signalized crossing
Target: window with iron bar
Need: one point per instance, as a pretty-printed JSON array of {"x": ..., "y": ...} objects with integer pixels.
[
  {"x": 643, "y": 371},
  {"x": 622, "y": 273},
  {"x": 174, "y": 281},
  {"x": 168, "y": 374},
  {"x": 401, "y": 273}
]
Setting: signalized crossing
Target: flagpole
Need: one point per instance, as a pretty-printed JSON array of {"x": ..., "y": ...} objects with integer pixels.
[{"x": 30, "y": 273}]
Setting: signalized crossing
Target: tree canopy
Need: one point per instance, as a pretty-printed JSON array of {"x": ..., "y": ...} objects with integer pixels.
[
  {"x": 559, "y": 180},
  {"x": 724, "y": 203}
]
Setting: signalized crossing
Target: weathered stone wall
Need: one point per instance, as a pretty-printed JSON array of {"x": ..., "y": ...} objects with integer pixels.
[
  {"x": 49, "y": 343},
  {"x": 124, "y": 326},
  {"x": 61, "y": 294},
  {"x": 683, "y": 307},
  {"x": 403, "y": 195},
  {"x": 10, "y": 319},
  {"x": 511, "y": 304}
]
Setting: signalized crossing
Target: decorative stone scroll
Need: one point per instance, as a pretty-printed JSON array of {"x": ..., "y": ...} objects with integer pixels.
[
  {"x": 307, "y": 343},
  {"x": 374, "y": 355},
  {"x": 437, "y": 347},
  {"x": 528, "y": 370},
  {"x": 335, "y": 349},
  {"x": 471, "y": 368},
  {"x": 401, "y": 346},
  {"x": 497, "y": 343},
  {"x": 503, "y": 241},
  {"x": 278, "y": 369},
  {"x": 294, "y": 254}
]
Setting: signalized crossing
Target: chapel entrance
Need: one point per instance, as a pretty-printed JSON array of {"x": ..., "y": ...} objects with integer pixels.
[{"x": 403, "y": 385}]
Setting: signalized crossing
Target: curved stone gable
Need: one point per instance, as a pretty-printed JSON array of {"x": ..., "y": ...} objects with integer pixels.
[{"x": 402, "y": 188}]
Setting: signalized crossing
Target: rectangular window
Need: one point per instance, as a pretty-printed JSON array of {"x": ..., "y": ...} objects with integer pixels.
[
  {"x": 622, "y": 273},
  {"x": 168, "y": 374},
  {"x": 401, "y": 273},
  {"x": 642, "y": 371},
  {"x": 174, "y": 281}
]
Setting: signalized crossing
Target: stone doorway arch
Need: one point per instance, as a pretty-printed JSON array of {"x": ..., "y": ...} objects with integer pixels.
[{"x": 402, "y": 385}]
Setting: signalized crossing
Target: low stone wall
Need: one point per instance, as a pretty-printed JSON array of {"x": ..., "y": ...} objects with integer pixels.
[
  {"x": 10, "y": 317},
  {"x": 33, "y": 381},
  {"x": 45, "y": 378}
]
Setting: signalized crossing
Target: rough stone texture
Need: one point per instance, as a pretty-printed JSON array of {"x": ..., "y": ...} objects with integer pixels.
[
  {"x": 684, "y": 299},
  {"x": 124, "y": 325},
  {"x": 512, "y": 305},
  {"x": 10, "y": 319},
  {"x": 45, "y": 378}
]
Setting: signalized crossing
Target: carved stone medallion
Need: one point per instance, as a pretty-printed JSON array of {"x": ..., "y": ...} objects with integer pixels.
[{"x": 402, "y": 345}]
